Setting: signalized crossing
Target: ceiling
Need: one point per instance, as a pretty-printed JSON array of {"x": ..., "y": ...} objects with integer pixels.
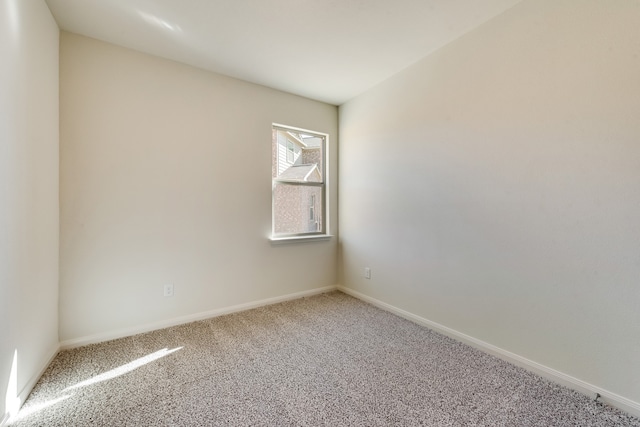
[{"x": 328, "y": 50}]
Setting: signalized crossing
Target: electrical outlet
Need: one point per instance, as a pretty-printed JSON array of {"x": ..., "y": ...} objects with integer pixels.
[
  {"x": 367, "y": 273},
  {"x": 168, "y": 290}
]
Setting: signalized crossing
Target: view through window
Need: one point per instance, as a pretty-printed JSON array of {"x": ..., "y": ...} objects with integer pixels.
[{"x": 298, "y": 182}]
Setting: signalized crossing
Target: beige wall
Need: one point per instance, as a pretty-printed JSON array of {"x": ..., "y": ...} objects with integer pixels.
[
  {"x": 28, "y": 196},
  {"x": 494, "y": 188},
  {"x": 166, "y": 178}
]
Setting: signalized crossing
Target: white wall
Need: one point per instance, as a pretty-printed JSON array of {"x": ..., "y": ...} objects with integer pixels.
[
  {"x": 28, "y": 196},
  {"x": 494, "y": 188},
  {"x": 166, "y": 178}
]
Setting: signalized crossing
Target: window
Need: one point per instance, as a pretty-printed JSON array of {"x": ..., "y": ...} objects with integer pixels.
[
  {"x": 298, "y": 182},
  {"x": 291, "y": 153},
  {"x": 312, "y": 208}
]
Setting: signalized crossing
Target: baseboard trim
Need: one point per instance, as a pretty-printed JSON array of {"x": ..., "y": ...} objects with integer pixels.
[
  {"x": 121, "y": 333},
  {"x": 588, "y": 389},
  {"x": 26, "y": 390}
]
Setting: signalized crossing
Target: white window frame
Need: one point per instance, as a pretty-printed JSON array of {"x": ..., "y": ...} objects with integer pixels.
[
  {"x": 325, "y": 207},
  {"x": 290, "y": 151},
  {"x": 312, "y": 208}
]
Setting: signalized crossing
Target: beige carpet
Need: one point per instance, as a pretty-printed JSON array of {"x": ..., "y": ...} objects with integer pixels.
[{"x": 325, "y": 360}]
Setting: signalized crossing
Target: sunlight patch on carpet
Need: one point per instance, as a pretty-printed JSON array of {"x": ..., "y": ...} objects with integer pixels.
[
  {"x": 124, "y": 369},
  {"x": 25, "y": 412}
]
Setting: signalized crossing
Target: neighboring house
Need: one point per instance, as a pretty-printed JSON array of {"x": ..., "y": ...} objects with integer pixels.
[{"x": 297, "y": 159}]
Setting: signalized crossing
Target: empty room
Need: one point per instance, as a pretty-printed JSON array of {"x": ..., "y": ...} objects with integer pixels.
[{"x": 305, "y": 212}]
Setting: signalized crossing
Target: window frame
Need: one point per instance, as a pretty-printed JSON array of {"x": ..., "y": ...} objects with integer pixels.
[
  {"x": 324, "y": 208},
  {"x": 290, "y": 152},
  {"x": 312, "y": 208}
]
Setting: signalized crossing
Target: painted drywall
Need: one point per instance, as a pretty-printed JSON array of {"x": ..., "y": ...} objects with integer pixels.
[
  {"x": 165, "y": 178},
  {"x": 28, "y": 196},
  {"x": 494, "y": 188}
]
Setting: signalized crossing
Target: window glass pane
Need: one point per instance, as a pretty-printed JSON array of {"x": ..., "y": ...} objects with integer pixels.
[
  {"x": 292, "y": 210},
  {"x": 290, "y": 152},
  {"x": 299, "y": 156}
]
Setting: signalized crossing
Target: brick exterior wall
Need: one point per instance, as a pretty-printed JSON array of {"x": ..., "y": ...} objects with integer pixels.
[
  {"x": 291, "y": 212},
  {"x": 313, "y": 155}
]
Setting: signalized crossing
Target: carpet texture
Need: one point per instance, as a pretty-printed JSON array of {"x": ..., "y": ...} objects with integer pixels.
[{"x": 325, "y": 360}]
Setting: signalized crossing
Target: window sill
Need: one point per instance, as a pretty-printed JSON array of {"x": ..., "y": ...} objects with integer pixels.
[{"x": 293, "y": 239}]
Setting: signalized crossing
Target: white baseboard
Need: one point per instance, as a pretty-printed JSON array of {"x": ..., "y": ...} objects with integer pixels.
[
  {"x": 606, "y": 396},
  {"x": 121, "y": 333},
  {"x": 26, "y": 390}
]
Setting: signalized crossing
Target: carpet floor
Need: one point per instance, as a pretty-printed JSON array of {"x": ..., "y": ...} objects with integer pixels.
[{"x": 327, "y": 360}]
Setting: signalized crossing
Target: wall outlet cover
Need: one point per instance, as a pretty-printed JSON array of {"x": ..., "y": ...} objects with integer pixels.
[{"x": 168, "y": 290}]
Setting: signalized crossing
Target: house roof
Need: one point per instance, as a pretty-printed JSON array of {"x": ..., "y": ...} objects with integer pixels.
[
  {"x": 306, "y": 141},
  {"x": 301, "y": 173}
]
